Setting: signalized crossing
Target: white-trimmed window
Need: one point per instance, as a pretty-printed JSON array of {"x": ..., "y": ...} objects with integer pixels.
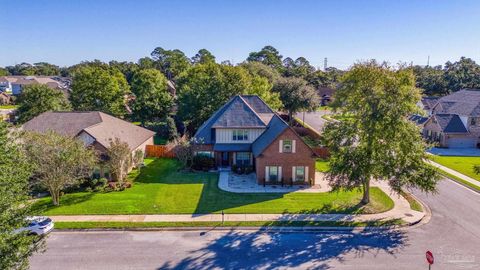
[
  {"x": 242, "y": 158},
  {"x": 299, "y": 174},
  {"x": 240, "y": 135},
  {"x": 287, "y": 146},
  {"x": 272, "y": 174}
]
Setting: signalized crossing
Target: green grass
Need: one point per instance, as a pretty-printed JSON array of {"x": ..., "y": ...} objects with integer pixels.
[
  {"x": 126, "y": 225},
  {"x": 161, "y": 189},
  {"x": 8, "y": 106},
  {"x": 157, "y": 140},
  {"x": 414, "y": 204},
  {"x": 321, "y": 165},
  {"x": 460, "y": 164},
  {"x": 457, "y": 179}
]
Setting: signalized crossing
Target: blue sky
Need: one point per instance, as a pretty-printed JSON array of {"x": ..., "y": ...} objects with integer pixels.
[{"x": 67, "y": 32}]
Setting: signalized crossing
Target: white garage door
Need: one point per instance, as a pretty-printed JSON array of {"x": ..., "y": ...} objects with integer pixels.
[{"x": 461, "y": 142}]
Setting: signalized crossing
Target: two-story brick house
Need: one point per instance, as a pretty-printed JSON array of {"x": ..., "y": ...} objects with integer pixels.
[
  {"x": 454, "y": 121},
  {"x": 246, "y": 132}
]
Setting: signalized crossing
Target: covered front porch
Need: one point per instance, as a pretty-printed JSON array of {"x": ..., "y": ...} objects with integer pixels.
[{"x": 233, "y": 155}]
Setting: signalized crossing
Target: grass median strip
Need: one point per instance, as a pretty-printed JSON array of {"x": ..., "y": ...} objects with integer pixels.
[
  {"x": 460, "y": 180},
  {"x": 414, "y": 204},
  {"x": 127, "y": 225}
]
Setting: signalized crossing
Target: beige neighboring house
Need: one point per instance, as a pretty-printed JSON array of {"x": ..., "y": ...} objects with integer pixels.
[
  {"x": 94, "y": 128},
  {"x": 454, "y": 120}
]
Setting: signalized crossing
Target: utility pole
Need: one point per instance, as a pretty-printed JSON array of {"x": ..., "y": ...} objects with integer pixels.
[
  {"x": 428, "y": 61},
  {"x": 325, "y": 61}
]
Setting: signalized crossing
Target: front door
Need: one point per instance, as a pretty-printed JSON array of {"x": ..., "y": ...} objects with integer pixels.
[{"x": 225, "y": 159}]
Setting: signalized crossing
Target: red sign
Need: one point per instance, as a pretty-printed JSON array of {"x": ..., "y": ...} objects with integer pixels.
[{"x": 429, "y": 256}]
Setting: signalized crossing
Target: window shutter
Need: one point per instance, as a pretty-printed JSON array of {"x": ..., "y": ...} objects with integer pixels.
[
  {"x": 293, "y": 173},
  {"x": 306, "y": 174},
  {"x": 293, "y": 146},
  {"x": 266, "y": 174},
  {"x": 280, "y": 148},
  {"x": 279, "y": 173},
  {"x": 234, "y": 158},
  {"x": 251, "y": 158}
]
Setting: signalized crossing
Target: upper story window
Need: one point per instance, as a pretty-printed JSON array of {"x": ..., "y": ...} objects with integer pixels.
[
  {"x": 473, "y": 121},
  {"x": 240, "y": 135},
  {"x": 287, "y": 146}
]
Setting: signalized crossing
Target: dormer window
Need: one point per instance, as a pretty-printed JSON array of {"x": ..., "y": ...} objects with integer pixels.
[{"x": 240, "y": 135}]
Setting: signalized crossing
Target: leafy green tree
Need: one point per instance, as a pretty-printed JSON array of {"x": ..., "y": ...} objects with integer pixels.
[
  {"x": 146, "y": 63},
  {"x": 59, "y": 161},
  {"x": 269, "y": 56},
  {"x": 296, "y": 95},
  {"x": 21, "y": 69},
  {"x": 206, "y": 87},
  {"x": 15, "y": 248},
  {"x": 119, "y": 160},
  {"x": 98, "y": 88},
  {"x": 203, "y": 56},
  {"x": 38, "y": 98},
  {"x": 4, "y": 72},
  {"x": 262, "y": 70},
  {"x": 46, "y": 69},
  {"x": 431, "y": 80},
  {"x": 377, "y": 141},
  {"x": 171, "y": 128},
  {"x": 464, "y": 73},
  {"x": 299, "y": 68},
  {"x": 152, "y": 98},
  {"x": 127, "y": 68},
  {"x": 170, "y": 62}
]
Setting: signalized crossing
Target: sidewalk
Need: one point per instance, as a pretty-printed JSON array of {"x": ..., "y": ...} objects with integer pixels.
[
  {"x": 401, "y": 210},
  {"x": 455, "y": 173}
]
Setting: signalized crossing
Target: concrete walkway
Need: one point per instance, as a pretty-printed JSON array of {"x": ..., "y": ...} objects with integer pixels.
[
  {"x": 401, "y": 210},
  {"x": 248, "y": 184},
  {"x": 455, "y": 173}
]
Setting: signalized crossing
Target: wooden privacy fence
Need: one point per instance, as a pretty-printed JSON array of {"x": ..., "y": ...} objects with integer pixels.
[
  {"x": 159, "y": 151},
  {"x": 321, "y": 152}
]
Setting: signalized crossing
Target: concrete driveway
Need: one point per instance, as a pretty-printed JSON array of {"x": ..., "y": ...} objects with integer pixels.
[{"x": 467, "y": 152}]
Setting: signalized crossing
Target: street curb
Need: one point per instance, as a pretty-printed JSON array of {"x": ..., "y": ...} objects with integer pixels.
[
  {"x": 460, "y": 183},
  {"x": 426, "y": 217}
]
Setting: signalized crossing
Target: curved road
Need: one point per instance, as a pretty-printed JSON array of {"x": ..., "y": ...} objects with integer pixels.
[{"x": 453, "y": 235}]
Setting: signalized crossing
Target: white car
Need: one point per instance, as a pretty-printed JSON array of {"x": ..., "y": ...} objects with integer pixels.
[{"x": 38, "y": 225}]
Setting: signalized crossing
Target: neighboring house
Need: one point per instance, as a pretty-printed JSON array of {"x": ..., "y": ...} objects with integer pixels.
[
  {"x": 455, "y": 120},
  {"x": 95, "y": 129},
  {"x": 427, "y": 104},
  {"x": 246, "y": 132},
  {"x": 15, "y": 84}
]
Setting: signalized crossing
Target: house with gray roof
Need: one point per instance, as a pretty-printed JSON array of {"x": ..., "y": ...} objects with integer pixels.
[
  {"x": 95, "y": 129},
  {"x": 247, "y": 132},
  {"x": 454, "y": 121}
]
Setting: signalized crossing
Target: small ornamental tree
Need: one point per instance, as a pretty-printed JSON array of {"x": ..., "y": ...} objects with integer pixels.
[
  {"x": 15, "y": 248},
  {"x": 119, "y": 160},
  {"x": 377, "y": 141},
  {"x": 58, "y": 161},
  {"x": 138, "y": 157},
  {"x": 183, "y": 149}
]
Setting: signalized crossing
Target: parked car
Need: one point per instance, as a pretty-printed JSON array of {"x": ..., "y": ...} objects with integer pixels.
[{"x": 38, "y": 225}]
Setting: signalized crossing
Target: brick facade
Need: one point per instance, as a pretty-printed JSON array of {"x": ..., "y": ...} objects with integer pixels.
[{"x": 271, "y": 156}]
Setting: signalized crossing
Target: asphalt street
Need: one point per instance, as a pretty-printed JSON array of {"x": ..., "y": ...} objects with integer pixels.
[
  {"x": 453, "y": 235},
  {"x": 314, "y": 119}
]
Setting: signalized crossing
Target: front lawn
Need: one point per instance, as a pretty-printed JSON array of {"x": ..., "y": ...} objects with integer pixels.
[
  {"x": 321, "y": 165},
  {"x": 460, "y": 164},
  {"x": 161, "y": 189}
]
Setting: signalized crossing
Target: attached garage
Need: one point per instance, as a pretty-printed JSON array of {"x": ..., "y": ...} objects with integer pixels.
[{"x": 461, "y": 142}]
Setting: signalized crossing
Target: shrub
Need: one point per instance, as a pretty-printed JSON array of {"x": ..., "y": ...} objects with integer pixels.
[
  {"x": 203, "y": 163},
  {"x": 171, "y": 128},
  {"x": 88, "y": 189},
  {"x": 102, "y": 182}
]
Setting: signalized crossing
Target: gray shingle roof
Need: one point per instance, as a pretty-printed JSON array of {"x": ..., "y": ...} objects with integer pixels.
[
  {"x": 464, "y": 102},
  {"x": 274, "y": 129},
  {"x": 101, "y": 126},
  {"x": 429, "y": 102},
  {"x": 239, "y": 111},
  {"x": 450, "y": 123}
]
